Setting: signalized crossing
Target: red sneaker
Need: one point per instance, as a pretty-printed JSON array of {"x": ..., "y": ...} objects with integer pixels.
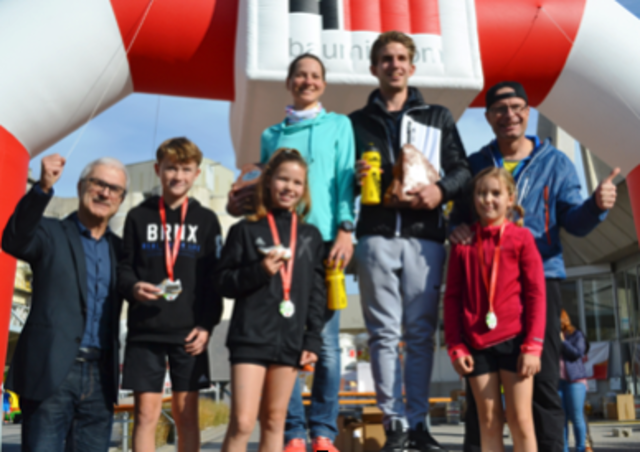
[
  {"x": 323, "y": 443},
  {"x": 296, "y": 445}
]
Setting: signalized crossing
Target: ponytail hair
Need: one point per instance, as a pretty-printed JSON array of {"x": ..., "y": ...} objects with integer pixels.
[
  {"x": 263, "y": 199},
  {"x": 517, "y": 208},
  {"x": 510, "y": 184}
]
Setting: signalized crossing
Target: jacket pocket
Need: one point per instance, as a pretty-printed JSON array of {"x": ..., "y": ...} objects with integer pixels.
[{"x": 547, "y": 214}]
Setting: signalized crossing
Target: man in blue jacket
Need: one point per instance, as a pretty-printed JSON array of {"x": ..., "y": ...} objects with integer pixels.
[
  {"x": 549, "y": 191},
  {"x": 65, "y": 367}
]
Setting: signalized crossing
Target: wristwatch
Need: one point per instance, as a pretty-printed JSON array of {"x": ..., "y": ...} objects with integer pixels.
[{"x": 347, "y": 226}]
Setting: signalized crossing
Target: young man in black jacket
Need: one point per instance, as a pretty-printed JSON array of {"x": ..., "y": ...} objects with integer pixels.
[
  {"x": 171, "y": 246},
  {"x": 400, "y": 253}
]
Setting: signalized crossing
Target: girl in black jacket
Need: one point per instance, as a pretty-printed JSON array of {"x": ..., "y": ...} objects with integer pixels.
[{"x": 280, "y": 301}]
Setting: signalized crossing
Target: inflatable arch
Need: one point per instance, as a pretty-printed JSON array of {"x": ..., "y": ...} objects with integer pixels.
[{"x": 65, "y": 61}]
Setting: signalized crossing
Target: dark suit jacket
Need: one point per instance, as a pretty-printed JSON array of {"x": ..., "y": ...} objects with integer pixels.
[{"x": 50, "y": 339}]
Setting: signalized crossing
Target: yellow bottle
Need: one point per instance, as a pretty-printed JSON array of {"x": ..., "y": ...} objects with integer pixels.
[
  {"x": 336, "y": 288},
  {"x": 371, "y": 189}
]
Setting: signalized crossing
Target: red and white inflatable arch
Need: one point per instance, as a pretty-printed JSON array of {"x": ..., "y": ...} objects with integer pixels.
[{"x": 64, "y": 60}]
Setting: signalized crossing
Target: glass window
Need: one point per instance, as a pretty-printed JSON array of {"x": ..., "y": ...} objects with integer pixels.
[
  {"x": 622, "y": 292},
  {"x": 599, "y": 308},
  {"x": 634, "y": 299},
  {"x": 569, "y": 294},
  {"x": 634, "y": 351}
]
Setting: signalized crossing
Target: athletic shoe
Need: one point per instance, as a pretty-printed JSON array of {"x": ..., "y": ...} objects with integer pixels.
[
  {"x": 296, "y": 445},
  {"x": 323, "y": 443},
  {"x": 421, "y": 440},
  {"x": 397, "y": 437}
]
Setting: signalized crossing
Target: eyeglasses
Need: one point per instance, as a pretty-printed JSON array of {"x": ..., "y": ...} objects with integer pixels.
[
  {"x": 115, "y": 191},
  {"x": 504, "y": 109}
]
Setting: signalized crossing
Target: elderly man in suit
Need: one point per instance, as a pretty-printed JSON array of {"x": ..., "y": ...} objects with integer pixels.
[{"x": 65, "y": 366}]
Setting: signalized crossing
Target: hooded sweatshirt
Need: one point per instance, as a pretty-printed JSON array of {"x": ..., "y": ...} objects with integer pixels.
[
  {"x": 326, "y": 143},
  {"x": 144, "y": 260},
  {"x": 257, "y": 330}
]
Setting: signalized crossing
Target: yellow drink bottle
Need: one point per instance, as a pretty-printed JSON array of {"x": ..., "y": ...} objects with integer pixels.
[
  {"x": 336, "y": 288},
  {"x": 371, "y": 189}
]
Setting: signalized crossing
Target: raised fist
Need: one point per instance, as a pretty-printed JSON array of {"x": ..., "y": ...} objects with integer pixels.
[{"x": 51, "y": 170}]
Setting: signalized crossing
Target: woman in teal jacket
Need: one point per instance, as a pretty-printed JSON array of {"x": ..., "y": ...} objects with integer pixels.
[{"x": 326, "y": 142}]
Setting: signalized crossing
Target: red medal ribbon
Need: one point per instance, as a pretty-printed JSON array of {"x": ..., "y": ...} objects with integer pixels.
[
  {"x": 171, "y": 257},
  {"x": 491, "y": 287},
  {"x": 286, "y": 271}
]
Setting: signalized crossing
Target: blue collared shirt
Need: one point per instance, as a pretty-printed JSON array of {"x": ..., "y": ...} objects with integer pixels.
[{"x": 98, "y": 263}]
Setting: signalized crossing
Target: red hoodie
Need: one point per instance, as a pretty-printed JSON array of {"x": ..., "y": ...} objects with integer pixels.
[{"x": 519, "y": 300}]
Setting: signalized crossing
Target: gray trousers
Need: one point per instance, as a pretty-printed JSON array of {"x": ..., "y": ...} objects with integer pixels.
[{"x": 399, "y": 281}]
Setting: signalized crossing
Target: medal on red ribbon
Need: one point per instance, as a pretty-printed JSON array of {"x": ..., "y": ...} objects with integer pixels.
[
  {"x": 169, "y": 287},
  {"x": 286, "y": 307},
  {"x": 490, "y": 285}
]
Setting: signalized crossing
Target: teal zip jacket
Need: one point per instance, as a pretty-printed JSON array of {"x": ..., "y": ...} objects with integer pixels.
[{"x": 326, "y": 143}]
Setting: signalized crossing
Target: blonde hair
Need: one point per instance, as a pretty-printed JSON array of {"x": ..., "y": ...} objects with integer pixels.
[
  {"x": 510, "y": 184},
  {"x": 387, "y": 38},
  {"x": 264, "y": 202},
  {"x": 180, "y": 150}
]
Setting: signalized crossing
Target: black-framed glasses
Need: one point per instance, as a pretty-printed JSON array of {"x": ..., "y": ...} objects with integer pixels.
[
  {"x": 114, "y": 190},
  {"x": 504, "y": 109}
]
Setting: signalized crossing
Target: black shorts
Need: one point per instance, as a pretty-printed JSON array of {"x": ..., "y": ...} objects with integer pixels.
[
  {"x": 145, "y": 366},
  {"x": 258, "y": 362},
  {"x": 503, "y": 356}
]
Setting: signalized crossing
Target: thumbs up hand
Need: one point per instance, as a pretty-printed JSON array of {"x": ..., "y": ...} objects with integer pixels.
[{"x": 606, "y": 191}]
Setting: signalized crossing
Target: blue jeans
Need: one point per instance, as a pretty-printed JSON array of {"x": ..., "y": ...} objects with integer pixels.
[
  {"x": 324, "y": 408},
  {"x": 77, "y": 417},
  {"x": 573, "y": 396}
]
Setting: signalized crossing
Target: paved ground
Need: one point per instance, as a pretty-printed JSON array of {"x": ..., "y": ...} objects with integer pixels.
[
  {"x": 451, "y": 436},
  {"x": 448, "y": 435}
]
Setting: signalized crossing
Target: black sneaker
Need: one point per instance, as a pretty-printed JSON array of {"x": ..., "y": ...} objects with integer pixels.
[
  {"x": 421, "y": 440},
  {"x": 397, "y": 438}
]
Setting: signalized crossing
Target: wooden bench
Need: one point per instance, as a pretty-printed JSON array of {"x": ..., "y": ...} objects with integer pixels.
[{"x": 363, "y": 398}]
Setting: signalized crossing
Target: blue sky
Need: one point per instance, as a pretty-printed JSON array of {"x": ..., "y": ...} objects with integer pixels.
[{"x": 129, "y": 130}]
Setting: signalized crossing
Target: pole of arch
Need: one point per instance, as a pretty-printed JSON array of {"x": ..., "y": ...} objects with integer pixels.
[{"x": 14, "y": 164}]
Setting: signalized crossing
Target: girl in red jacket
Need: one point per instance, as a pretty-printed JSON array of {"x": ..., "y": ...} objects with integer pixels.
[{"x": 494, "y": 312}]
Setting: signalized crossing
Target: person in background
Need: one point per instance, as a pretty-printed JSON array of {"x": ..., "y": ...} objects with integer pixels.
[
  {"x": 573, "y": 381},
  {"x": 272, "y": 266},
  {"x": 494, "y": 312},
  {"x": 325, "y": 141},
  {"x": 65, "y": 367},
  {"x": 171, "y": 246},
  {"x": 400, "y": 252},
  {"x": 550, "y": 193}
]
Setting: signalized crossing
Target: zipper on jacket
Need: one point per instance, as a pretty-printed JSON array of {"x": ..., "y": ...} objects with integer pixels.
[
  {"x": 392, "y": 157},
  {"x": 523, "y": 191},
  {"x": 546, "y": 213}
]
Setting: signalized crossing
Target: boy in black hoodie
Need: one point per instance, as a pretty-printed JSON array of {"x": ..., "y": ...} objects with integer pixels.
[{"x": 172, "y": 304}]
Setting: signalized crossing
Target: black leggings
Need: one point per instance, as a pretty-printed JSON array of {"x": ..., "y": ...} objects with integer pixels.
[{"x": 548, "y": 415}]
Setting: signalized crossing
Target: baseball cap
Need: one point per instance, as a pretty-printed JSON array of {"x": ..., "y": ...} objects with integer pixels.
[{"x": 518, "y": 91}]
